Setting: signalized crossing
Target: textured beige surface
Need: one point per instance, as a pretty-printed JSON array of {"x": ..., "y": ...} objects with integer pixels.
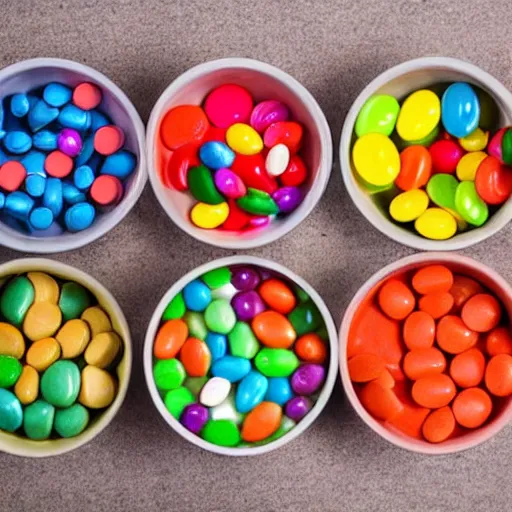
[{"x": 334, "y": 48}]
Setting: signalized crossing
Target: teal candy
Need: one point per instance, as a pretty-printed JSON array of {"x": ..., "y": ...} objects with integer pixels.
[
  {"x": 71, "y": 195},
  {"x": 17, "y": 297},
  {"x": 52, "y": 197},
  {"x": 20, "y": 105},
  {"x": 71, "y": 421},
  {"x": 34, "y": 163},
  {"x": 98, "y": 120},
  {"x": 11, "y": 413},
  {"x": 73, "y": 117},
  {"x": 279, "y": 390},
  {"x": 45, "y": 140},
  {"x": 17, "y": 142},
  {"x": 60, "y": 383},
  {"x": 231, "y": 368},
  {"x": 38, "y": 420},
  {"x": 242, "y": 341},
  {"x": 250, "y": 391},
  {"x": 41, "y": 114},
  {"x": 197, "y": 296},
  {"x": 217, "y": 344},
  {"x": 120, "y": 164},
  {"x": 86, "y": 153},
  {"x": 56, "y": 94},
  {"x": 10, "y": 371},
  {"x": 18, "y": 205},
  {"x": 74, "y": 300}
]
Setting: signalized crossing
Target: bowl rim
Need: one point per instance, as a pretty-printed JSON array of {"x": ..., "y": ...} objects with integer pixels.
[
  {"x": 55, "y": 268},
  {"x": 348, "y": 316},
  {"x": 155, "y": 322},
  {"x": 61, "y": 244},
  {"x": 326, "y": 145},
  {"x": 384, "y": 225}
]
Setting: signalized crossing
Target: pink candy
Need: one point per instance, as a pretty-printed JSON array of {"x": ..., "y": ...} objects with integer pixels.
[
  {"x": 229, "y": 184},
  {"x": 227, "y": 105},
  {"x": 268, "y": 112},
  {"x": 445, "y": 156},
  {"x": 494, "y": 148}
]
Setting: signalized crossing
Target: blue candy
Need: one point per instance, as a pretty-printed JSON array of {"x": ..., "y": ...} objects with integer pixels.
[
  {"x": 71, "y": 194},
  {"x": 52, "y": 197},
  {"x": 53, "y": 230},
  {"x": 217, "y": 344},
  {"x": 279, "y": 390},
  {"x": 83, "y": 177},
  {"x": 3, "y": 157},
  {"x": 17, "y": 142},
  {"x": 95, "y": 162},
  {"x": 34, "y": 163},
  {"x": 56, "y": 94},
  {"x": 197, "y": 296},
  {"x": 80, "y": 216},
  {"x": 120, "y": 164},
  {"x": 2, "y": 200},
  {"x": 216, "y": 155},
  {"x": 41, "y": 218},
  {"x": 74, "y": 117},
  {"x": 19, "y": 205},
  {"x": 250, "y": 391},
  {"x": 35, "y": 185},
  {"x": 460, "y": 110},
  {"x": 40, "y": 115},
  {"x": 20, "y": 104},
  {"x": 231, "y": 368},
  {"x": 45, "y": 140},
  {"x": 98, "y": 120},
  {"x": 86, "y": 153}
]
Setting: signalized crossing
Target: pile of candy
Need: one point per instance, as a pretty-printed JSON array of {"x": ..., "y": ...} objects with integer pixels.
[
  {"x": 61, "y": 159},
  {"x": 443, "y": 180},
  {"x": 65, "y": 376},
  {"x": 240, "y": 356},
  {"x": 239, "y": 161},
  {"x": 430, "y": 353}
]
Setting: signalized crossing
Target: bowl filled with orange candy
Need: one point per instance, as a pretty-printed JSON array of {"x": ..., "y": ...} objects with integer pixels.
[{"x": 426, "y": 353}]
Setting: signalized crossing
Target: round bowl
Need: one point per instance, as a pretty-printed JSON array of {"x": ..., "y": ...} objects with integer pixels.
[
  {"x": 323, "y": 396},
  {"x": 462, "y": 265},
  {"x": 27, "y": 74},
  {"x": 11, "y": 443},
  {"x": 263, "y": 81},
  {"x": 400, "y": 81}
]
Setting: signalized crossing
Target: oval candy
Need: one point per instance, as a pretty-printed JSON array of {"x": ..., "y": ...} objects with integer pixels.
[
  {"x": 208, "y": 216},
  {"x": 436, "y": 224},
  {"x": 377, "y": 115},
  {"x": 419, "y": 115},
  {"x": 43, "y": 353},
  {"x": 277, "y": 160},
  {"x": 228, "y": 104},
  {"x": 98, "y": 388},
  {"x": 243, "y": 139},
  {"x": 475, "y": 141},
  {"x": 415, "y": 168},
  {"x": 215, "y": 391},
  {"x": 288, "y": 133},
  {"x": 216, "y": 155},
  {"x": 469, "y": 204},
  {"x": 460, "y": 110},
  {"x": 468, "y": 165},
  {"x": 268, "y": 112},
  {"x": 408, "y": 206},
  {"x": 250, "y": 391},
  {"x": 493, "y": 181}
]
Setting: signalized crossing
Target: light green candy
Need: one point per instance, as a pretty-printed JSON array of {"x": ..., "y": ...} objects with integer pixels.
[
  {"x": 221, "y": 433},
  {"x": 177, "y": 399},
  {"x": 227, "y": 410},
  {"x": 71, "y": 421},
  {"x": 469, "y": 204},
  {"x": 441, "y": 190},
  {"x": 38, "y": 420},
  {"x": 60, "y": 383},
  {"x": 16, "y": 299},
  {"x": 175, "y": 309},
  {"x": 217, "y": 277},
  {"x": 195, "y": 384},
  {"x": 74, "y": 300},
  {"x": 196, "y": 325},
  {"x": 378, "y": 115},
  {"x": 168, "y": 374},
  {"x": 219, "y": 316},
  {"x": 242, "y": 341},
  {"x": 305, "y": 318},
  {"x": 276, "y": 362},
  {"x": 10, "y": 371}
]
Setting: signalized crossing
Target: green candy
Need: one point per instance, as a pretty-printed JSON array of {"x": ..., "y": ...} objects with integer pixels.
[
  {"x": 38, "y": 420},
  {"x": 217, "y": 277},
  {"x": 196, "y": 325},
  {"x": 74, "y": 300},
  {"x": 202, "y": 187},
  {"x": 177, "y": 399},
  {"x": 286, "y": 425},
  {"x": 276, "y": 362},
  {"x": 377, "y": 115},
  {"x": 489, "y": 113},
  {"x": 195, "y": 384},
  {"x": 322, "y": 332},
  {"x": 10, "y": 371},
  {"x": 60, "y": 383},
  {"x": 221, "y": 433},
  {"x": 305, "y": 318},
  {"x": 17, "y": 297},
  {"x": 71, "y": 421},
  {"x": 242, "y": 341},
  {"x": 441, "y": 190},
  {"x": 169, "y": 374},
  {"x": 219, "y": 316},
  {"x": 301, "y": 294},
  {"x": 11, "y": 413},
  {"x": 469, "y": 204},
  {"x": 258, "y": 202},
  {"x": 175, "y": 309},
  {"x": 506, "y": 147}
]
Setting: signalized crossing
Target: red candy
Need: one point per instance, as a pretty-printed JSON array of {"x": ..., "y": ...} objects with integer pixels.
[
  {"x": 58, "y": 164},
  {"x": 108, "y": 140},
  {"x": 237, "y": 218},
  {"x": 227, "y": 105},
  {"x": 175, "y": 174},
  {"x": 295, "y": 174},
  {"x": 251, "y": 170},
  {"x": 215, "y": 134},
  {"x": 288, "y": 133},
  {"x": 445, "y": 156},
  {"x": 493, "y": 181},
  {"x": 183, "y": 125},
  {"x": 12, "y": 174},
  {"x": 106, "y": 190},
  {"x": 87, "y": 96}
]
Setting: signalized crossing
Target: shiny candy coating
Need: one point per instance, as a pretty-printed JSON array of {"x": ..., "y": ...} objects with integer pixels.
[
  {"x": 98, "y": 388},
  {"x": 216, "y": 155},
  {"x": 288, "y": 133},
  {"x": 277, "y": 160},
  {"x": 207, "y": 216},
  {"x": 194, "y": 417},
  {"x": 308, "y": 379},
  {"x": 182, "y": 125},
  {"x": 228, "y": 104},
  {"x": 41, "y": 115},
  {"x": 506, "y": 146},
  {"x": 493, "y": 181},
  {"x": 419, "y": 115},
  {"x": 60, "y": 383},
  {"x": 287, "y": 199},
  {"x": 266, "y": 113},
  {"x": 468, "y": 165},
  {"x": 445, "y": 154},
  {"x": 71, "y": 421},
  {"x": 231, "y": 368},
  {"x": 10, "y": 371},
  {"x": 469, "y": 204},
  {"x": 279, "y": 390},
  {"x": 38, "y": 420},
  {"x": 441, "y": 189},
  {"x": 243, "y": 139},
  {"x": 377, "y": 115},
  {"x": 298, "y": 407},
  {"x": 409, "y": 205},
  {"x": 215, "y": 391},
  {"x": 295, "y": 174},
  {"x": 251, "y": 170},
  {"x": 229, "y": 184},
  {"x": 258, "y": 202},
  {"x": 247, "y": 305},
  {"x": 250, "y": 391},
  {"x": 436, "y": 224},
  {"x": 11, "y": 412},
  {"x": 460, "y": 109},
  {"x": 475, "y": 141},
  {"x": 415, "y": 168},
  {"x": 245, "y": 278},
  {"x": 494, "y": 148},
  {"x": 69, "y": 142},
  {"x": 57, "y": 94},
  {"x": 202, "y": 186}
]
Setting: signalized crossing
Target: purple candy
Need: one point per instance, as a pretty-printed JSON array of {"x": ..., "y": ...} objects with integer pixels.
[
  {"x": 268, "y": 112},
  {"x": 245, "y": 278},
  {"x": 287, "y": 198},
  {"x": 247, "y": 305},
  {"x": 259, "y": 222},
  {"x": 69, "y": 142},
  {"x": 297, "y": 407},
  {"x": 194, "y": 417},
  {"x": 229, "y": 184},
  {"x": 307, "y": 379}
]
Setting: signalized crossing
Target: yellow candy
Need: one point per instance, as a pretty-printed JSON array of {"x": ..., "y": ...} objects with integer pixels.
[
  {"x": 73, "y": 338},
  {"x": 27, "y": 387},
  {"x": 244, "y": 139},
  {"x": 103, "y": 349},
  {"x": 97, "y": 320},
  {"x": 98, "y": 388},
  {"x": 376, "y": 159},
  {"x": 209, "y": 216},
  {"x": 419, "y": 115},
  {"x": 11, "y": 341},
  {"x": 475, "y": 141},
  {"x": 436, "y": 224},
  {"x": 43, "y": 353},
  {"x": 45, "y": 287},
  {"x": 409, "y": 205},
  {"x": 42, "y": 320},
  {"x": 468, "y": 165}
]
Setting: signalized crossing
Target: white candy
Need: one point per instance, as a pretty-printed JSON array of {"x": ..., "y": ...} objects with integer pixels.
[
  {"x": 215, "y": 391},
  {"x": 227, "y": 292},
  {"x": 278, "y": 159},
  {"x": 227, "y": 411}
]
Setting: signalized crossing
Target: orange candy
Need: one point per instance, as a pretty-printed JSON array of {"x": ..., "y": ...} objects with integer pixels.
[
  {"x": 277, "y": 296},
  {"x": 379, "y": 401},
  {"x": 87, "y": 96},
  {"x": 467, "y": 369},
  {"x": 106, "y": 190},
  {"x": 396, "y": 300},
  {"x": 108, "y": 140},
  {"x": 58, "y": 164},
  {"x": 419, "y": 330},
  {"x": 432, "y": 279},
  {"x": 273, "y": 329},
  {"x": 311, "y": 348},
  {"x": 453, "y": 336},
  {"x": 481, "y": 313},
  {"x": 463, "y": 288},
  {"x": 170, "y": 338},
  {"x": 415, "y": 168},
  {"x": 434, "y": 391},
  {"x": 499, "y": 341},
  {"x": 472, "y": 407},
  {"x": 386, "y": 380},
  {"x": 436, "y": 304},
  {"x": 424, "y": 362},
  {"x": 439, "y": 425},
  {"x": 261, "y": 422},
  {"x": 195, "y": 357},
  {"x": 498, "y": 375},
  {"x": 365, "y": 367},
  {"x": 12, "y": 175},
  {"x": 183, "y": 125}
]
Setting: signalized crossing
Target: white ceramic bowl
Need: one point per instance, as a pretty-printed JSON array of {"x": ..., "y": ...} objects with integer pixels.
[
  {"x": 326, "y": 389},
  {"x": 400, "y": 81},
  {"x": 16, "y": 445},
  {"x": 24, "y": 76},
  {"x": 263, "y": 82}
]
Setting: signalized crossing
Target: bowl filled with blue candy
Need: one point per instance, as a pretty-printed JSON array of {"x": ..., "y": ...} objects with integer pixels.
[{"x": 72, "y": 161}]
